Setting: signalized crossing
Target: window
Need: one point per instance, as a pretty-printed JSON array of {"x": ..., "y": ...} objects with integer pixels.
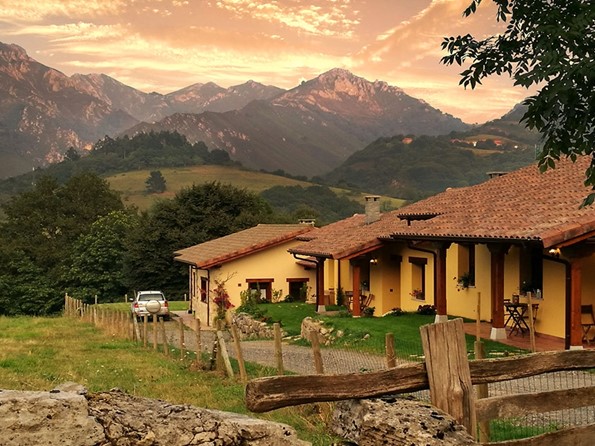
[
  {"x": 264, "y": 287},
  {"x": 418, "y": 277},
  {"x": 530, "y": 269},
  {"x": 298, "y": 289},
  {"x": 466, "y": 267}
]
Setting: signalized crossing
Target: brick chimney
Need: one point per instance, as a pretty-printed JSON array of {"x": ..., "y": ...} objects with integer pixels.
[{"x": 372, "y": 208}]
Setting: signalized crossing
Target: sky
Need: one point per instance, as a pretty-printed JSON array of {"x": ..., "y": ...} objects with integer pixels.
[{"x": 166, "y": 45}]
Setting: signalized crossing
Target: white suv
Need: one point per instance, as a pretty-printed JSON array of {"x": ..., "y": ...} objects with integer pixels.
[{"x": 150, "y": 302}]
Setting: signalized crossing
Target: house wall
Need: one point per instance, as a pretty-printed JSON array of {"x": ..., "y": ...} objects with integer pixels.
[
  {"x": 385, "y": 283},
  {"x": 463, "y": 302},
  {"x": 409, "y": 276},
  {"x": 552, "y": 308},
  {"x": 274, "y": 263}
]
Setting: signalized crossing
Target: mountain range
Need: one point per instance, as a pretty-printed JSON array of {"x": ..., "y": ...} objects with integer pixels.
[{"x": 307, "y": 130}]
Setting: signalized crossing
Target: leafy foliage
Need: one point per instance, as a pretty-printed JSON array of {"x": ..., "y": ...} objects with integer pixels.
[
  {"x": 422, "y": 167},
  {"x": 195, "y": 215},
  {"x": 317, "y": 202},
  {"x": 156, "y": 183},
  {"x": 95, "y": 265},
  {"x": 42, "y": 226},
  {"x": 549, "y": 44}
]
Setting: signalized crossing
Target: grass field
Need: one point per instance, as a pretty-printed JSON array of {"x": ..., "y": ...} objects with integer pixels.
[
  {"x": 132, "y": 184},
  {"x": 39, "y": 353}
]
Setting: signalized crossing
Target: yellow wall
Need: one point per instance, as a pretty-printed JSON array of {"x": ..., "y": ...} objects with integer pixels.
[
  {"x": 274, "y": 263},
  {"x": 408, "y": 281}
]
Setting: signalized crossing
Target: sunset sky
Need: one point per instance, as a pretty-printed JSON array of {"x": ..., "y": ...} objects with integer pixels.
[{"x": 165, "y": 45}]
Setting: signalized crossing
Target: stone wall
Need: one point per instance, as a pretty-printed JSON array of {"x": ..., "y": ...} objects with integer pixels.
[
  {"x": 250, "y": 328},
  {"x": 68, "y": 416},
  {"x": 326, "y": 336}
]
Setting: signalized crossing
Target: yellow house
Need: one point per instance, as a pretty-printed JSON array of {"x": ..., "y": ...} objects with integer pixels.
[
  {"x": 517, "y": 231},
  {"x": 255, "y": 258}
]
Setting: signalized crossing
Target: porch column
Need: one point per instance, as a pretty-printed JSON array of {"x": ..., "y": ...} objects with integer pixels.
[
  {"x": 576, "y": 281},
  {"x": 356, "y": 291},
  {"x": 497, "y": 253},
  {"x": 440, "y": 282},
  {"x": 575, "y": 255},
  {"x": 320, "y": 285}
]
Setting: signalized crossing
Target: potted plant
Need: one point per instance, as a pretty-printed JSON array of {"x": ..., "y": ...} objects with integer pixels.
[
  {"x": 464, "y": 281},
  {"x": 417, "y": 294}
]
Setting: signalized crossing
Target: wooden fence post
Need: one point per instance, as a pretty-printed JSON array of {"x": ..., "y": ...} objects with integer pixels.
[
  {"x": 481, "y": 389},
  {"x": 145, "y": 329},
  {"x": 318, "y": 366},
  {"x": 164, "y": 336},
  {"x": 278, "y": 350},
  {"x": 445, "y": 350},
  {"x": 182, "y": 343},
  {"x": 531, "y": 323},
  {"x": 389, "y": 347},
  {"x": 224, "y": 355},
  {"x": 198, "y": 343},
  {"x": 154, "y": 332},
  {"x": 239, "y": 354}
]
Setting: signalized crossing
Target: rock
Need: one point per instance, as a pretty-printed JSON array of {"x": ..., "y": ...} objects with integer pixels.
[
  {"x": 396, "y": 421},
  {"x": 48, "y": 418},
  {"x": 68, "y": 418}
]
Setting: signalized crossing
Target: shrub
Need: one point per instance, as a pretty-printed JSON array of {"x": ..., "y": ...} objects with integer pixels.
[
  {"x": 426, "y": 309},
  {"x": 369, "y": 311},
  {"x": 395, "y": 312}
]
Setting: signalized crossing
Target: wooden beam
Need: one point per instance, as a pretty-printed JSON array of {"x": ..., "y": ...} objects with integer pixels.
[
  {"x": 264, "y": 394},
  {"x": 511, "y": 406}
]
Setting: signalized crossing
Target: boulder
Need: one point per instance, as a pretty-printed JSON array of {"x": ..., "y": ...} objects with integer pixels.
[
  {"x": 396, "y": 421},
  {"x": 69, "y": 416}
]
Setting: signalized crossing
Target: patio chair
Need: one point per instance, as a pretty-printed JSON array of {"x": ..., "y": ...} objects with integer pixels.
[{"x": 587, "y": 322}]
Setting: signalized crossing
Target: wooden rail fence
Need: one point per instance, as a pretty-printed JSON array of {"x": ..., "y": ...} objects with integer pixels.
[{"x": 450, "y": 378}]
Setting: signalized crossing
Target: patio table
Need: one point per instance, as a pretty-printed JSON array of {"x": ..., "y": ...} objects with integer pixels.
[{"x": 517, "y": 315}]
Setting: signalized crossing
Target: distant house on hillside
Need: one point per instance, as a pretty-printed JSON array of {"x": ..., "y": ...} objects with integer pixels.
[
  {"x": 518, "y": 231},
  {"x": 255, "y": 258}
]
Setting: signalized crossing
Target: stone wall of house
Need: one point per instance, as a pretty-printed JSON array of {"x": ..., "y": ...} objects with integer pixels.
[{"x": 68, "y": 416}]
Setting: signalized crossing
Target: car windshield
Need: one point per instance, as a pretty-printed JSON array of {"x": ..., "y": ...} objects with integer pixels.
[{"x": 155, "y": 296}]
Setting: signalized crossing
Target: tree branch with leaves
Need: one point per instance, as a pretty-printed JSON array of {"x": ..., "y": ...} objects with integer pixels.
[{"x": 549, "y": 44}]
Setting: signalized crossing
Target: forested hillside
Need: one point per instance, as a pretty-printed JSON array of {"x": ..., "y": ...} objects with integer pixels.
[{"x": 413, "y": 168}]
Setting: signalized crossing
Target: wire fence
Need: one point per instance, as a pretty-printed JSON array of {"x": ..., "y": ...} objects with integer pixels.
[{"x": 176, "y": 338}]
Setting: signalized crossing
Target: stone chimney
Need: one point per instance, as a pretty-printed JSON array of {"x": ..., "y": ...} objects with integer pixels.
[
  {"x": 307, "y": 221},
  {"x": 372, "y": 208}
]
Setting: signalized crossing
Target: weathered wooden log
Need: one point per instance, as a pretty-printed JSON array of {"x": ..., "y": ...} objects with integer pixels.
[{"x": 264, "y": 394}]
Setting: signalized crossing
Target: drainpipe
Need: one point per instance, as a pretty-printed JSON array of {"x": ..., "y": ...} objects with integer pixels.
[{"x": 566, "y": 263}]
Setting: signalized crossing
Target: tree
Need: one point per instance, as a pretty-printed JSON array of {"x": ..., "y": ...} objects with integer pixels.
[
  {"x": 155, "y": 183},
  {"x": 195, "y": 215},
  {"x": 549, "y": 44},
  {"x": 95, "y": 264},
  {"x": 40, "y": 228}
]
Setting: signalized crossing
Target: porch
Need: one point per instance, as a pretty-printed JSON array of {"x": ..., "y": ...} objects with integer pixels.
[{"x": 543, "y": 342}]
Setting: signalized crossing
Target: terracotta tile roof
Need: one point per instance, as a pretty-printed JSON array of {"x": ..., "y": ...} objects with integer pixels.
[
  {"x": 239, "y": 244},
  {"x": 349, "y": 236},
  {"x": 521, "y": 205}
]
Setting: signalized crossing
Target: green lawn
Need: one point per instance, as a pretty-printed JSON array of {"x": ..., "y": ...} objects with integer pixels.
[
  {"x": 39, "y": 353},
  {"x": 369, "y": 333}
]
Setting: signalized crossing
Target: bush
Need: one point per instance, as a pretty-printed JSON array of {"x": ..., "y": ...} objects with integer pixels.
[
  {"x": 369, "y": 311},
  {"x": 395, "y": 312},
  {"x": 426, "y": 309}
]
